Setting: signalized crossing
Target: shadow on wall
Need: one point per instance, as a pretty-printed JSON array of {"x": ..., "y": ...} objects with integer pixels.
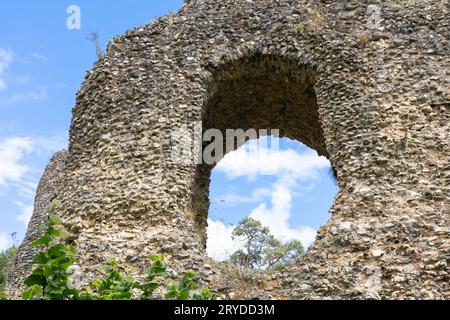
[{"x": 265, "y": 92}]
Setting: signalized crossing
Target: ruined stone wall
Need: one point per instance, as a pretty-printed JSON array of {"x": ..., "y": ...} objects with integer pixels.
[
  {"x": 47, "y": 190},
  {"x": 368, "y": 91}
]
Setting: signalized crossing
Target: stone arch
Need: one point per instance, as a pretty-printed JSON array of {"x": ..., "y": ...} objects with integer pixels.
[
  {"x": 124, "y": 197},
  {"x": 259, "y": 92}
]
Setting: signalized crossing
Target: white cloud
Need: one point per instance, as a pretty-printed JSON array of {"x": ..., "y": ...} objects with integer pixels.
[
  {"x": 5, "y": 242},
  {"x": 36, "y": 94},
  {"x": 39, "y": 57},
  {"x": 51, "y": 144},
  {"x": 277, "y": 218},
  {"x": 19, "y": 172},
  {"x": 22, "y": 79},
  {"x": 25, "y": 214},
  {"x": 255, "y": 158},
  {"x": 26, "y": 189},
  {"x": 12, "y": 151},
  {"x": 6, "y": 58},
  {"x": 220, "y": 244},
  {"x": 33, "y": 94},
  {"x": 292, "y": 169},
  {"x": 232, "y": 198}
]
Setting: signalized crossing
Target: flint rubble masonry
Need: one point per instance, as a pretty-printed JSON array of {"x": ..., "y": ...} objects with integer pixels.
[{"x": 374, "y": 101}]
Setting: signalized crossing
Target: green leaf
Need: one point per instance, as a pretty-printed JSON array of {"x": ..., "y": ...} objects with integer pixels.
[
  {"x": 43, "y": 241},
  {"x": 171, "y": 294},
  {"x": 67, "y": 264},
  {"x": 35, "y": 280},
  {"x": 40, "y": 258},
  {"x": 54, "y": 219},
  {"x": 205, "y": 294},
  {"x": 26, "y": 295},
  {"x": 58, "y": 291},
  {"x": 71, "y": 249},
  {"x": 190, "y": 274},
  {"x": 71, "y": 293},
  {"x": 156, "y": 271},
  {"x": 56, "y": 250},
  {"x": 157, "y": 258},
  {"x": 39, "y": 271},
  {"x": 33, "y": 292},
  {"x": 183, "y": 295},
  {"x": 54, "y": 232},
  {"x": 148, "y": 289}
]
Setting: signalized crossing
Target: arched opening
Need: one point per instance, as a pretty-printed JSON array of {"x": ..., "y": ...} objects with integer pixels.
[
  {"x": 258, "y": 92},
  {"x": 288, "y": 190}
]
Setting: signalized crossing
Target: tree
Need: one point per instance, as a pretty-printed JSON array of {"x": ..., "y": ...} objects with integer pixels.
[
  {"x": 5, "y": 261},
  {"x": 261, "y": 249},
  {"x": 279, "y": 254},
  {"x": 255, "y": 237}
]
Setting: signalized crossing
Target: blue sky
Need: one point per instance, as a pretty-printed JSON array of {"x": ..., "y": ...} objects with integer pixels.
[
  {"x": 43, "y": 63},
  {"x": 289, "y": 190}
]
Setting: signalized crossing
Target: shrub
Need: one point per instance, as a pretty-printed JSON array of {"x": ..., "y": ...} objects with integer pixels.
[
  {"x": 183, "y": 289},
  {"x": 261, "y": 249},
  {"x": 5, "y": 261},
  {"x": 50, "y": 279}
]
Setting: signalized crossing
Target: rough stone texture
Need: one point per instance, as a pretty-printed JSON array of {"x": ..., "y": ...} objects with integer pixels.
[
  {"x": 47, "y": 190},
  {"x": 374, "y": 101}
]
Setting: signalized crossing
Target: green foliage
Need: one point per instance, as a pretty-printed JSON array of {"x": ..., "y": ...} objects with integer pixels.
[
  {"x": 5, "y": 261},
  {"x": 181, "y": 291},
  {"x": 157, "y": 269},
  {"x": 261, "y": 248},
  {"x": 255, "y": 238},
  {"x": 279, "y": 254},
  {"x": 116, "y": 285},
  {"x": 363, "y": 39},
  {"x": 50, "y": 279},
  {"x": 204, "y": 294},
  {"x": 184, "y": 289}
]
